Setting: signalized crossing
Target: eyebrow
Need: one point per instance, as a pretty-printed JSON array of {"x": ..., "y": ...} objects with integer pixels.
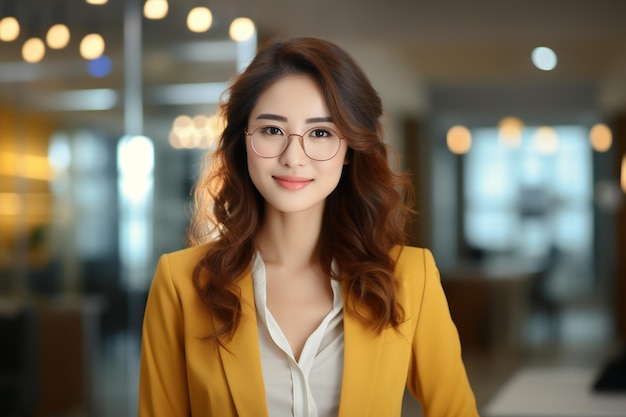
[{"x": 267, "y": 116}]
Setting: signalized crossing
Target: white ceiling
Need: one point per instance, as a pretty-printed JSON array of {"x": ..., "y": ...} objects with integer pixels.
[{"x": 405, "y": 46}]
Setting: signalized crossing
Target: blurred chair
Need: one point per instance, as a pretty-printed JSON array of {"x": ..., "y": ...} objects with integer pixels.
[
  {"x": 18, "y": 363},
  {"x": 612, "y": 377}
]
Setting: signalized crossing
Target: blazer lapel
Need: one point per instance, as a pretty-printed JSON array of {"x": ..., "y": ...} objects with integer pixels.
[
  {"x": 242, "y": 361},
  {"x": 361, "y": 363}
]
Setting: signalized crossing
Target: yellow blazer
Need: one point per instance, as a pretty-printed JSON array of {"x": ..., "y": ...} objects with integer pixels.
[{"x": 182, "y": 375}]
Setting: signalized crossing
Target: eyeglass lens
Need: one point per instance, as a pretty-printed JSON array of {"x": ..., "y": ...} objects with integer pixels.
[{"x": 319, "y": 143}]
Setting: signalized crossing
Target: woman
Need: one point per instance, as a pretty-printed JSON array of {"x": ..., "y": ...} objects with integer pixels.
[{"x": 297, "y": 296}]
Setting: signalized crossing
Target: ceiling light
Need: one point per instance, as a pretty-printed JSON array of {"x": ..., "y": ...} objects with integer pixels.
[
  {"x": 96, "y": 2},
  {"x": 600, "y": 137},
  {"x": 544, "y": 58},
  {"x": 33, "y": 50},
  {"x": 241, "y": 29},
  {"x": 199, "y": 19},
  {"x": 510, "y": 132},
  {"x": 92, "y": 46},
  {"x": 459, "y": 139},
  {"x": 58, "y": 36},
  {"x": 546, "y": 140},
  {"x": 155, "y": 9},
  {"x": 9, "y": 29}
]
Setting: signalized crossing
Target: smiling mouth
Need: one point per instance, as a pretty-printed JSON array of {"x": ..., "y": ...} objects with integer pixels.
[{"x": 292, "y": 183}]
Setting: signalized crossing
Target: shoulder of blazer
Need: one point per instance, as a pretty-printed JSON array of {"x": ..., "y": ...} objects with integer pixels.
[
  {"x": 188, "y": 257},
  {"x": 412, "y": 260},
  {"x": 414, "y": 266},
  {"x": 181, "y": 263},
  {"x": 179, "y": 267}
]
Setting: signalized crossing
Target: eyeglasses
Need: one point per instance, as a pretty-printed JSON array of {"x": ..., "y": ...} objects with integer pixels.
[{"x": 318, "y": 143}]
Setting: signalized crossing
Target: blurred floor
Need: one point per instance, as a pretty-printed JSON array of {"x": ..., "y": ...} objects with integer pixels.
[
  {"x": 117, "y": 377},
  {"x": 581, "y": 337}
]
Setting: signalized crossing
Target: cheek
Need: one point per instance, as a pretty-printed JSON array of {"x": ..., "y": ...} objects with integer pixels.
[
  {"x": 341, "y": 160},
  {"x": 334, "y": 171}
]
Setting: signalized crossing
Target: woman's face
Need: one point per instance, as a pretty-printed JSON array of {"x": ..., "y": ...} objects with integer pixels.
[{"x": 292, "y": 181}]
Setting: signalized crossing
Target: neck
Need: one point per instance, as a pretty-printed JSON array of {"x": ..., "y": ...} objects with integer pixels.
[{"x": 290, "y": 239}]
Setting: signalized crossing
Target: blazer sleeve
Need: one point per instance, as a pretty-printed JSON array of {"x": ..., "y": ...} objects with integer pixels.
[
  {"x": 162, "y": 380},
  {"x": 437, "y": 376}
]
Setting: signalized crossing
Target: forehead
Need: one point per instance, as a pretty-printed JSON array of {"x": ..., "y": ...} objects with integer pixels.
[{"x": 292, "y": 96}]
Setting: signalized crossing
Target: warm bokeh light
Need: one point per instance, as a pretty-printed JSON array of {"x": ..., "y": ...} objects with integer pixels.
[
  {"x": 199, "y": 19},
  {"x": 546, "y": 140},
  {"x": 199, "y": 132},
  {"x": 600, "y": 137},
  {"x": 34, "y": 167},
  {"x": 92, "y": 46},
  {"x": 174, "y": 140},
  {"x": 544, "y": 58},
  {"x": 58, "y": 36},
  {"x": 34, "y": 205},
  {"x": 11, "y": 204},
  {"x": 510, "y": 132},
  {"x": 182, "y": 126},
  {"x": 210, "y": 128},
  {"x": 241, "y": 29},
  {"x": 96, "y": 2},
  {"x": 9, "y": 29},
  {"x": 459, "y": 139},
  {"x": 155, "y": 9},
  {"x": 33, "y": 50}
]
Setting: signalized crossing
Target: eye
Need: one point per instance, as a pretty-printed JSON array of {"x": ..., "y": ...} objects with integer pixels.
[
  {"x": 321, "y": 133},
  {"x": 271, "y": 130}
]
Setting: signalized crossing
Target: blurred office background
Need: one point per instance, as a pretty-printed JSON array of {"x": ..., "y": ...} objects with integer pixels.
[{"x": 517, "y": 155}]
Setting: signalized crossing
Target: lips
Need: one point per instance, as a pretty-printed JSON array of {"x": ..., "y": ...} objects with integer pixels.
[{"x": 292, "y": 183}]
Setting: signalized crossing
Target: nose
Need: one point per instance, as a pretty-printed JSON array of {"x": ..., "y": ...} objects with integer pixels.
[{"x": 293, "y": 155}]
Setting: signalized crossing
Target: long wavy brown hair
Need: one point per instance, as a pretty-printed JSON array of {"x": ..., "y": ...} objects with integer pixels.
[{"x": 364, "y": 216}]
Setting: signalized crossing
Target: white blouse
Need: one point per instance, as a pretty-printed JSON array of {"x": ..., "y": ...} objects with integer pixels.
[{"x": 311, "y": 386}]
